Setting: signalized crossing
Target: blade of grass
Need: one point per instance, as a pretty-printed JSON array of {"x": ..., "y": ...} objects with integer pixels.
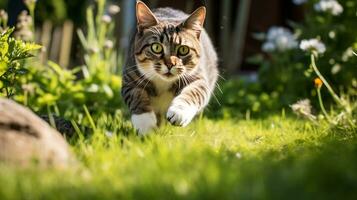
[
  {"x": 78, "y": 130},
  {"x": 91, "y": 121},
  {"x": 51, "y": 118}
]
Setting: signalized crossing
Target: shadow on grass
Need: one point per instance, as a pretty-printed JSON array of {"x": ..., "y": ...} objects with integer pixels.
[{"x": 325, "y": 170}]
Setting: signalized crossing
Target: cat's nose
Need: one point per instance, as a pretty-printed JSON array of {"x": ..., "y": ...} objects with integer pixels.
[{"x": 170, "y": 62}]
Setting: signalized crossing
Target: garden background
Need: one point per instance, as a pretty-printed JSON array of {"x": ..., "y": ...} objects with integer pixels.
[{"x": 282, "y": 122}]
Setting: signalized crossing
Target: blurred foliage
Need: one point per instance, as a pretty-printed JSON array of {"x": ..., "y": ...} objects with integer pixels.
[
  {"x": 238, "y": 98},
  {"x": 50, "y": 88},
  {"x": 3, "y": 4},
  {"x": 55, "y": 11},
  {"x": 59, "y": 10},
  {"x": 12, "y": 55},
  {"x": 288, "y": 73},
  {"x": 338, "y": 63}
]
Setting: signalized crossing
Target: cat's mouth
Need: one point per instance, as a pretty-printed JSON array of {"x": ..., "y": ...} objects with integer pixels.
[{"x": 168, "y": 74}]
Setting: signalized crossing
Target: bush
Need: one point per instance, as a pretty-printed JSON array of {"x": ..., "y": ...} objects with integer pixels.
[
  {"x": 12, "y": 65},
  {"x": 51, "y": 89},
  {"x": 286, "y": 68}
]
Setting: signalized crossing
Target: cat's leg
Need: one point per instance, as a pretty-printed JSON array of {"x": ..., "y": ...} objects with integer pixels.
[
  {"x": 143, "y": 117},
  {"x": 192, "y": 99},
  {"x": 144, "y": 122}
]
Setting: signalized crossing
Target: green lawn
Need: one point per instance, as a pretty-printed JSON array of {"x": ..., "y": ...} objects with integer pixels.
[{"x": 273, "y": 158}]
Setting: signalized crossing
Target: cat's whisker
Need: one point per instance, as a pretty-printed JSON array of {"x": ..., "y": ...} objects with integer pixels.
[
  {"x": 138, "y": 79},
  {"x": 210, "y": 91},
  {"x": 135, "y": 67},
  {"x": 148, "y": 81},
  {"x": 179, "y": 80},
  {"x": 131, "y": 71},
  {"x": 220, "y": 76},
  {"x": 216, "y": 98},
  {"x": 188, "y": 78},
  {"x": 184, "y": 79},
  {"x": 144, "y": 78},
  {"x": 219, "y": 88}
]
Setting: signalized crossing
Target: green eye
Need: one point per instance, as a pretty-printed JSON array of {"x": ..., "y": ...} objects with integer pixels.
[
  {"x": 183, "y": 50},
  {"x": 157, "y": 48}
]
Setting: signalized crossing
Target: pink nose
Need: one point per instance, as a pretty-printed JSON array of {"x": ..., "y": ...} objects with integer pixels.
[{"x": 170, "y": 61}]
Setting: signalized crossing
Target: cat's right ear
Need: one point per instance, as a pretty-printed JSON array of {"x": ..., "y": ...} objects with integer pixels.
[
  {"x": 196, "y": 20},
  {"x": 145, "y": 17}
]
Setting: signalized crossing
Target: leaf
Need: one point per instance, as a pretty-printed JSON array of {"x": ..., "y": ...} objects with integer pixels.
[
  {"x": 32, "y": 47},
  {"x": 22, "y": 71},
  {"x": 7, "y": 33},
  {"x": 4, "y": 38},
  {"x": 22, "y": 56}
]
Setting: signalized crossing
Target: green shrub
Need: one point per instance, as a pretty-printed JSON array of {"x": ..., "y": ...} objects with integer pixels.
[
  {"x": 286, "y": 70},
  {"x": 12, "y": 65},
  {"x": 49, "y": 88}
]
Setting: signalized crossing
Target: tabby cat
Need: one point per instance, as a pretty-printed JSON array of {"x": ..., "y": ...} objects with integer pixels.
[{"x": 171, "y": 68}]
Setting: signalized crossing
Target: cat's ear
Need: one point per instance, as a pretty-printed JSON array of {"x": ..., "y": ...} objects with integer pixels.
[
  {"x": 196, "y": 20},
  {"x": 145, "y": 17}
]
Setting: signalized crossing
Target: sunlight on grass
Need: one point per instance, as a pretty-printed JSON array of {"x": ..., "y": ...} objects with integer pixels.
[{"x": 209, "y": 159}]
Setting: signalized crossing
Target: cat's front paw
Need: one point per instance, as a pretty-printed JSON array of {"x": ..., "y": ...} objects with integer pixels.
[
  {"x": 181, "y": 115},
  {"x": 144, "y": 123}
]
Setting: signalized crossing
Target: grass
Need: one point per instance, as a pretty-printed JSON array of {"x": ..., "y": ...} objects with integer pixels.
[{"x": 273, "y": 158}]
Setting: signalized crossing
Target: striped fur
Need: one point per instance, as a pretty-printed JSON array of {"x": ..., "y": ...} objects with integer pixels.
[{"x": 168, "y": 84}]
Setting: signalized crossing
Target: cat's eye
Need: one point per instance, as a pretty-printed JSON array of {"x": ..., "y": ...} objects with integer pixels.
[
  {"x": 157, "y": 48},
  {"x": 183, "y": 50}
]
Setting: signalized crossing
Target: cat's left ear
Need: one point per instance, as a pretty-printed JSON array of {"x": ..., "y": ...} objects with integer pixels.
[{"x": 196, "y": 20}]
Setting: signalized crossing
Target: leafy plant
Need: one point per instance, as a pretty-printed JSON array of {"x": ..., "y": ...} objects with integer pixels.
[
  {"x": 12, "y": 55},
  {"x": 95, "y": 85},
  {"x": 326, "y": 29},
  {"x": 346, "y": 110}
]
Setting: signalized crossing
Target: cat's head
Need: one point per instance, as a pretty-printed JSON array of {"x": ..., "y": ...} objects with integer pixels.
[{"x": 167, "y": 50}]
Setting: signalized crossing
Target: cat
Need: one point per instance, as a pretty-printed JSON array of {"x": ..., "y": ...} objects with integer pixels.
[{"x": 171, "y": 68}]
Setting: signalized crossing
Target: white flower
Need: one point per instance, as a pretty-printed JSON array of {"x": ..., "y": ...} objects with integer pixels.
[
  {"x": 336, "y": 69},
  {"x": 303, "y": 108},
  {"x": 3, "y": 16},
  {"x": 347, "y": 54},
  {"x": 330, "y": 6},
  {"x": 332, "y": 34},
  {"x": 313, "y": 45},
  {"x": 279, "y": 39},
  {"x": 108, "y": 44},
  {"x": 93, "y": 88},
  {"x": 106, "y": 19},
  {"x": 113, "y": 9},
  {"x": 268, "y": 47},
  {"x": 238, "y": 155},
  {"x": 109, "y": 134},
  {"x": 299, "y": 2}
]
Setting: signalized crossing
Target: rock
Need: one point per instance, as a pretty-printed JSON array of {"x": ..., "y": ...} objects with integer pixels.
[{"x": 25, "y": 139}]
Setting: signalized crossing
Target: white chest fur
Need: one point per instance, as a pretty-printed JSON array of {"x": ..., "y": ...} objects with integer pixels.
[
  {"x": 164, "y": 97},
  {"x": 162, "y": 102}
]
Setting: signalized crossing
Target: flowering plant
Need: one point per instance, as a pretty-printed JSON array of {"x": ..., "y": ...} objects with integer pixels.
[{"x": 325, "y": 32}]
